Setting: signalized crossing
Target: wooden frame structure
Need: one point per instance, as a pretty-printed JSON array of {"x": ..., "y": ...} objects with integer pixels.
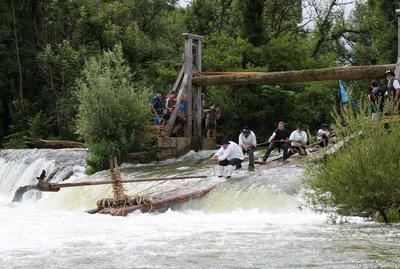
[{"x": 183, "y": 87}]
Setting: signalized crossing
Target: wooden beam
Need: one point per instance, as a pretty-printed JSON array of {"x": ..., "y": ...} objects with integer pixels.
[
  {"x": 192, "y": 36},
  {"x": 188, "y": 64},
  {"x": 56, "y": 186},
  {"x": 172, "y": 118},
  {"x": 178, "y": 80},
  {"x": 198, "y": 107},
  {"x": 398, "y": 32},
  {"x": 334, "y": 73}
]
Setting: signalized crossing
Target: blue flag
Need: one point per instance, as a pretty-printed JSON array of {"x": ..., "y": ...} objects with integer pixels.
[{"x": 343, "y": 93}]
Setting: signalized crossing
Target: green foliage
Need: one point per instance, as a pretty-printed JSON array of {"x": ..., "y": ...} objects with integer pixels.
[
  {"x": 96, "y": 161},
  {"x": 112, "y": 114},
  {"x": 14, "y": 141},
  {"x": 362, "y": 175},
  {"x": 40, "y": 125},
  {"x": 224, "y": 53},
  {"x": 375, "y": 25}
]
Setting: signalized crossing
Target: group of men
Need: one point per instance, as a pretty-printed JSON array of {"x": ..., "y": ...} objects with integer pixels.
[
  {"x": 379, "y": 98},
  {"x": 162, "y": 111},
  {"x": 232, "y": 154}
]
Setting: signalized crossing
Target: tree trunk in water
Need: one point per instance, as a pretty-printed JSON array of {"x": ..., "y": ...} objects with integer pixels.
[
  {"x": 335, "y": 73},
  {"x": 161, "y": 201}
]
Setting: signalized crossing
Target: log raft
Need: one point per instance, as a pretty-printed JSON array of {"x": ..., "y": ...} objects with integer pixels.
[{"x": 161, "y": 201}]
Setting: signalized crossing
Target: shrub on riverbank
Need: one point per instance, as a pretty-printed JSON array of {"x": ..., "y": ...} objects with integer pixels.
[
  {"x": 113, "y": 114},
  {"x": 362, "y": 176}
]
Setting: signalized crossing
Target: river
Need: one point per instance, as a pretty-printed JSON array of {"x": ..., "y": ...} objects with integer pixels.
[{"x": 251, "y": 221}]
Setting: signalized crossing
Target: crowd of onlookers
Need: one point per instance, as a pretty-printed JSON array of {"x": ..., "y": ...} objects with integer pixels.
[{"x": 162, "y": 110}]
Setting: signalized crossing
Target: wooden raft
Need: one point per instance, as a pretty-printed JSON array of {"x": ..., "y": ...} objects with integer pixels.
[{"x": 160, "y": 201}]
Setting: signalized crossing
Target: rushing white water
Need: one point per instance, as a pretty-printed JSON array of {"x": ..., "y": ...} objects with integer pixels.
[{"x": 251, "y": 221}]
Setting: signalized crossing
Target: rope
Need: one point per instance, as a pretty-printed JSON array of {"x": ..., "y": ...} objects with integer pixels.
[
  {"x": 127, "y": 201},
  {"x": 161, "y": 182},
  {"x": 122, "y": 200}
]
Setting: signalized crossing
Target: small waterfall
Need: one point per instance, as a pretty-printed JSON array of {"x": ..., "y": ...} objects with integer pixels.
[{"x": 20, "y": 168}]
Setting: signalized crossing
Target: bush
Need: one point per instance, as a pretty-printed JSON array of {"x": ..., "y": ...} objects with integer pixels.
[
  {"x": 362, "y": 176},
  {"x": 113, "y": 115}
]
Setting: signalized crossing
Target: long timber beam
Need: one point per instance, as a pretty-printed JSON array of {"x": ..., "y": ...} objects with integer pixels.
[{"x": 334, "y": 73}]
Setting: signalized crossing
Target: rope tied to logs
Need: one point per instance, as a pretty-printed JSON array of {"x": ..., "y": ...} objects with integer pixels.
[{"x": 127, "y": 201}]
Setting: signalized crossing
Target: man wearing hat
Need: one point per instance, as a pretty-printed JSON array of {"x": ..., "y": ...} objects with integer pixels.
[
  {"x": 231, "y": 155},
  {"x": 298, "y": 139},
  {"x": 393, "y": 90},
  {"x": 248, "y": 143}
]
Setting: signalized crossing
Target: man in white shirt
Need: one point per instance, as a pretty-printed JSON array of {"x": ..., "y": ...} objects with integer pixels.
[
  {"x": 248, "y": 143},
  {"x": 298, "y": 140},
  {"x": 231, "y": 155}
]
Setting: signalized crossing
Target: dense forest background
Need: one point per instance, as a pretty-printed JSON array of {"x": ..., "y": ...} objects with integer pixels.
[{"x": 44, "y": 46}]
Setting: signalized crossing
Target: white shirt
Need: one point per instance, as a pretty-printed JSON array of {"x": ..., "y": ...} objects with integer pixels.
[
  {"x": 296, "y": 136},
  {"x": 232, "y": 151},
  {"x": 396, "y": 83},
  {"x": 322, "y": 132},
  {"x": 249, "y": 141}
]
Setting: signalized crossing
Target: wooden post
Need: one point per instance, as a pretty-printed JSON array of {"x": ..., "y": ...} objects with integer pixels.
[
  {"x": 118, "y": 189},
  {"x": 397, "y": 70},
  {"x": 188, "y": 64},
  {"x": 198, "y": 104},
  {"x": 398, "y": 32}
]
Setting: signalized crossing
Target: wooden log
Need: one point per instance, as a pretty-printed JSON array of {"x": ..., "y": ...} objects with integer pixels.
[
  {"x": 159, "y": 202},
  {"x": 335, "y": 73},
  {"x": 188, "y": 64},
  {"x": 171, "y": 121},
  {"x": 51, "y": 144}
]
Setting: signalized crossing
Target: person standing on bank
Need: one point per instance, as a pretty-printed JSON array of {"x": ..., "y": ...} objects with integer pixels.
[
  {"x": 376, "y": 100},
  {"x": 278, "y": 139},
  {"x": 248, "y": 143},
  {"x": 212, "y": 115},
  {"x": 169, "y": 107},
  {"x": 298, "y": 139},
  {"x": 157, "y": 107},
  {"x": 231, "y": 155},
  {"x": 393, "y": 89}
]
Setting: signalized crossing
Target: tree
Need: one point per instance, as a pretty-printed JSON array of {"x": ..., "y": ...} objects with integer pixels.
[
  {"x": 60, "y": 66},
  {"x": 112, "y": 113}
]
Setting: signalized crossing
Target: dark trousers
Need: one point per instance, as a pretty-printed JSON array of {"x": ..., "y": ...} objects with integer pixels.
[
  {"x": 280, "y": 145},
  {"x": 234, "y": 162},
  {"x": 300, "y": 150},
  {"x": 324, "y": 142},
  {"x": 250, "y": 152}
]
